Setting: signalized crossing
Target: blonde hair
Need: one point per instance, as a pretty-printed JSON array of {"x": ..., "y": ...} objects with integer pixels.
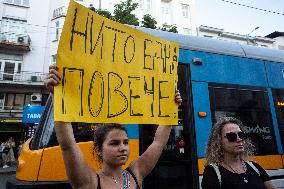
[{"x": 214, "y": 151}]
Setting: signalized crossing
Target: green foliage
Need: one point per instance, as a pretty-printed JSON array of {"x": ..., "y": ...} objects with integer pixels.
[
  {"x": 123, "y": 13},
  {"x": 173, "y": 29},
  {"x": 169, "y": 28},
  {"x": 101, "y": 12},
  {"x": 149, "y": 22}
]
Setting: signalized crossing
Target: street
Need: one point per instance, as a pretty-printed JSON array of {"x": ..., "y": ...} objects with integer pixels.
[{"x": 4, "y": 177}]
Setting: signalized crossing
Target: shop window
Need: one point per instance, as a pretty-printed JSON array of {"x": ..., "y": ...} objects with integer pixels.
[
  {"x": 19, "y": 101},
  {"x": 27, "y": 99},
  {"x": 2, "y": 100},
  {"x": 251, "y": 106},
  {"x": 278, "y": 96},
  {"x": 10, "y": 101}
]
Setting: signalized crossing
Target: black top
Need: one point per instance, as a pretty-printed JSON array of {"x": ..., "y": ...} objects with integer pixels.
[
  {"x": 132, "y": 174},
  {"x": 248, "y": 180}
]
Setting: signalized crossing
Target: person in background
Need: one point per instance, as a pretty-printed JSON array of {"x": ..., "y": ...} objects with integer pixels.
[
  {"x": 226, "y": 167},
  {"x": 111, "y": 145},
  {"x": 11, "y": 145},
  {"x": 20, "y": 147},
  {"x": 2, "y": 155},
  {"x": 8, "y": 153}
]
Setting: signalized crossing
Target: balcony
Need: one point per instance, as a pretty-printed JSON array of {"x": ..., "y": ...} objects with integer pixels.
[
  {"x": 59, "y": 12},
  {"x": 14, "y": 42},
  {"x": 11, "y": 112},
  {"x": 34, "y": 78}
]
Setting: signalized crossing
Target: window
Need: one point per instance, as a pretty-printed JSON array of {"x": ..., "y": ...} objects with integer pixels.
[
  {"x": 186, "y": 31},
  {"x": 278, "y": 96},
  {"x": 165, "y": 10},
  {"x": 12, "y": 29},
  {"x": 19, "y": 101},
  {"x": 53, "y": 59},
  {"x": 10, "y": 69},
  {"x": 2, "y": 100},
  {"x": 149, "y": 5},
  {"x": 209, "y": 36},
  {"x": 25, "y": 3},
  {"x": 27, "y": 99},
  {"x": 45, "y": 135},
  {"x": 57, "y": 30},
  {"x": 251, "y": 106},
  {"x": 280, "y": 47},
  {"x": 185, "y": 10},
  {"x": 19, "y": 68}
]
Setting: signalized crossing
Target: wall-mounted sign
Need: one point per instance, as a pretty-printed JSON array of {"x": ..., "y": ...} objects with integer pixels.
[{"x": 32, "y": 114}]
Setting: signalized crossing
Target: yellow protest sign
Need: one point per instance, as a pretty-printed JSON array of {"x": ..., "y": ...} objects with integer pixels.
[{"x": 112, "y": 73}]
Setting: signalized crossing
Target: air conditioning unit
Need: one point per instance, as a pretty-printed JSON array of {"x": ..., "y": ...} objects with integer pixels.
[
  {"x": 36, "y": 98},
  {"x": 21, "y": 39},
  {"x": 34, "y": 78}
]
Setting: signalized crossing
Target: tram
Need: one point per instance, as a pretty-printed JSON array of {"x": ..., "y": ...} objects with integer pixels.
[{"x": 216, "y": 78}]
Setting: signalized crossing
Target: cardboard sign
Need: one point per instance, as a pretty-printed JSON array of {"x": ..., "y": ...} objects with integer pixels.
[{"x": 112, "y": 73}]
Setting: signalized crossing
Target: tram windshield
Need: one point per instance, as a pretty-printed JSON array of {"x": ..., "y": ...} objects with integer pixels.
[{"x": 251, "y": 106}]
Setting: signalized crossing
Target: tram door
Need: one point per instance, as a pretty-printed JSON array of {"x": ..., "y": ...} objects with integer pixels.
[{"x": 177, "y": 167}]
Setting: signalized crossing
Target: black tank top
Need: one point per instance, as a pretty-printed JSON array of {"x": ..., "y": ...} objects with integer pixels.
[{"x": 132, "y": 174}]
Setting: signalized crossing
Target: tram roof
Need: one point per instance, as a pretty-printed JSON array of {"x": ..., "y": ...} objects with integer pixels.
[{"x": 217, "y": 46}]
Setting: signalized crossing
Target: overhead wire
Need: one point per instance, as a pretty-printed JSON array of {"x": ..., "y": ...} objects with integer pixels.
[{"x": 252, "y": 7}]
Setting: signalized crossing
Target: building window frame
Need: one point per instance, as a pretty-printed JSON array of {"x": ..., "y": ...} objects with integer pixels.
[
  {"x": 148, "y": 5},
  {"x": 57, "y": 30},
  {"x": 22, "y": 3},
  {"x": 185, "y": 10}
]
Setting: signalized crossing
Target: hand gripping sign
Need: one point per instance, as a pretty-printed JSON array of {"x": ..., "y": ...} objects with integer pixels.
[{"x": 112, "y": 73}]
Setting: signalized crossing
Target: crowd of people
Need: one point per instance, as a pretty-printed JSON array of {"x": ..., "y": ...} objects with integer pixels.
[{"x": 8, "y": 149}]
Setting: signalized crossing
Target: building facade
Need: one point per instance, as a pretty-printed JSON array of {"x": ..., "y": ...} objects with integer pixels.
[
  {"x": 279, "y": 39},
  {"x": 274, "y": 40},
  {"x": 180, "y": 13},
  {"x": 23, "y": 31},
  {"x": 29, "y": 36}
]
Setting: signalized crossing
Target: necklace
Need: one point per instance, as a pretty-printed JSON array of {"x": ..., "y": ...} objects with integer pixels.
[
  {"x": 115, "y": 180},
  {"x": 126, "y": 179},
  {"x": 240, "y": 174}
]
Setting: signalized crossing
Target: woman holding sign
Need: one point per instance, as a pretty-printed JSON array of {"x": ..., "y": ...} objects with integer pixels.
[{"x": 111, "y": 145}]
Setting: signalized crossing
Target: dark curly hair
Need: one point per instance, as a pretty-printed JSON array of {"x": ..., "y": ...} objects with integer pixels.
[
  {"x": 101, "y": 132},
  {"x": 214, "y": 151}
]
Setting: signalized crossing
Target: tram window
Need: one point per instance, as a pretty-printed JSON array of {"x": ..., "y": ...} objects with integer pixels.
[
  {"x": 45, "y": 136},
  {"x": 278, "y": 95},
  {"x": 252, "y": 108}
]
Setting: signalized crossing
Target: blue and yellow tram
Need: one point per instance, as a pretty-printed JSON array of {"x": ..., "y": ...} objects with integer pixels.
[{"x": 216, "y": 78}]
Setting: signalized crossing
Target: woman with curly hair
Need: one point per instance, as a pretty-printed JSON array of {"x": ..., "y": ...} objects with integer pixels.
[{"x": 225, "y": 166}]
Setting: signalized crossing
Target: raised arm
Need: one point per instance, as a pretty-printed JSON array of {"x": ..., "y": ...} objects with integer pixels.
[
  {"x": 147, "y": 161},
  {"x": 79, "y": 173}
]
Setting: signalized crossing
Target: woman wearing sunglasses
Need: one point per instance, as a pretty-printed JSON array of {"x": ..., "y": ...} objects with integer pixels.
[{"x": 226, "y": 167}]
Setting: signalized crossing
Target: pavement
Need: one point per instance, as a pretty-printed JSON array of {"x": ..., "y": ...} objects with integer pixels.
[{"x": 9, "y": 170}]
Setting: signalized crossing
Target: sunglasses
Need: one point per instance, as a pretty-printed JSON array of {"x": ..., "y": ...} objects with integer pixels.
[{"x": 232, "y": 137}]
